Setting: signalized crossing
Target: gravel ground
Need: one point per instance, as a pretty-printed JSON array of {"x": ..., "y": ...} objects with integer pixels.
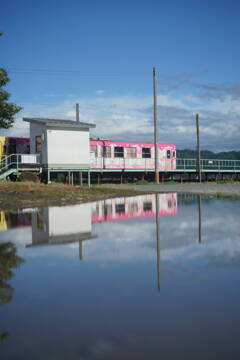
[{"x": 217, "y": 189}]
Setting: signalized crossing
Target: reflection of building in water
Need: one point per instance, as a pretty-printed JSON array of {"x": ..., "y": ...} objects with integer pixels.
[
  {"x": 59, "y": 225},
  {"x": 134, "y": 207}
]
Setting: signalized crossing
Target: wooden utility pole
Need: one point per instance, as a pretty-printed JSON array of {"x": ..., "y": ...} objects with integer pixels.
[
  {"x": 155, "y": 126},
  {"x": 158, "y": 240},
  {"x": 199, "y": 219},
  {"x": 198, "y": 151},
  {"x": 77, "y": 113}
]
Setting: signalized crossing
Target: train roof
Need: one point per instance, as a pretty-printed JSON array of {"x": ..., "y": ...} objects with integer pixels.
[{"x": 129, "y": 142}]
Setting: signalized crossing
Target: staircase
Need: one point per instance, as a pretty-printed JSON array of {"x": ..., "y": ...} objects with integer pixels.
[{"x": 14, "y": 164}]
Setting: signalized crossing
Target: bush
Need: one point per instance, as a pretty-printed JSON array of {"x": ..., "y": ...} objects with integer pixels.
[
  {"x": 28, "y": 176},
  {"x": 142, "y": 182}
]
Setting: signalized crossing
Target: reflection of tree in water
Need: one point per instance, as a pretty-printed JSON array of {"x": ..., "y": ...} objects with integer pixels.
[{"x": 8, "y": 261}]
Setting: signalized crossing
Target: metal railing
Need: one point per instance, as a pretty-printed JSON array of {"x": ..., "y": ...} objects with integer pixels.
[
  {"x": 209, "y": 164},
  {"x": 19, "y": 161}
]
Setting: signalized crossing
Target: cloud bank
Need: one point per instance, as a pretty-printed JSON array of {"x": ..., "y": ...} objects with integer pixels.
[{"x": 130, "y": 118}]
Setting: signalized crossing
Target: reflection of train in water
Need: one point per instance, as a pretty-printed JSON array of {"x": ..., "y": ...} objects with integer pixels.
[
  {"x": 134, "y": 207},
  {"x": 106, "y": 154},
  {"x": 14, "y": 219}
]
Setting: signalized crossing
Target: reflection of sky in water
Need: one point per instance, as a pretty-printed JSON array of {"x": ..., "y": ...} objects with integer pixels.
[
  {"x": 135, "y": 239},
  {"x": 107, "y": 306}
]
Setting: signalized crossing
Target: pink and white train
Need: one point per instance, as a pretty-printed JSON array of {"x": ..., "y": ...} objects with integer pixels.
[{"x": 107, "y": 154}]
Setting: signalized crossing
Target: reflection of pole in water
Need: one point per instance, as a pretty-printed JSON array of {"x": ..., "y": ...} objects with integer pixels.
[
  {"x": 158, "y": 240},
  {"x": 199, "y": 219},
  {"x": 80, "y": 250}
]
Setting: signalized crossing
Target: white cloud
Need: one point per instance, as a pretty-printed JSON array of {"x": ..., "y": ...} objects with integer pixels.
[
  {"x": 130, "y": 118},
  {"x": 100, "y": 92}
]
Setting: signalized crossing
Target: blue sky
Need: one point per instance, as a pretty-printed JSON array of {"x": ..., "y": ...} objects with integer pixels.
[{"x": 101, "y": 54}]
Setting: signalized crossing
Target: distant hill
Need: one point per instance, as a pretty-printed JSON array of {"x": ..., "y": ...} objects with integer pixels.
[{"x": 206, "y": 154}]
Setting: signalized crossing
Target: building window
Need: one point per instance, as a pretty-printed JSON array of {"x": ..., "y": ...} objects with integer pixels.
[
  {"x": 40, "y": 221},
  {"x": 107, "y": 151},
  {"x": 93, "y": 149},
  {"x": 146, "y": 153},
  {"x": 131, "y": 152},
  {"x": 38, "y": 144},
  {"x": 118, "y": 152},
  {"x": 168, "y": 154}
]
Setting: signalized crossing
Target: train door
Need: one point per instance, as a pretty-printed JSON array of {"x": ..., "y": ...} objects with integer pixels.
[
  {"x": 168, "y": 160},
  {"x": 93, "y": 155},
  {"x": 12, "y": 146}
]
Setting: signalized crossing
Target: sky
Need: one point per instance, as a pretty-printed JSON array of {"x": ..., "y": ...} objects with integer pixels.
[{"x": 101, "y": 55}]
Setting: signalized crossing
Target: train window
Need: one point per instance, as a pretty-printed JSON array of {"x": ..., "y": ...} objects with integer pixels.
[
  {"x": 38, "y": 144},
  {"x": 118, "y": 152},
  {"x": 120, "y": 208},
  {"x": 107, "y": 151},
  {"x": 93, "y": 149},
  {"x": 168, "y": 154},
  {"x": 146, "y": 153},
  {"x": 147, "y": 206},
  {"x": 131, "y": 152},
  {"x": 173, "y": 154}
]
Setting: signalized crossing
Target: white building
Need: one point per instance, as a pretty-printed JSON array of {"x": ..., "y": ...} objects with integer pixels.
[{"x": 62, "y": 144}]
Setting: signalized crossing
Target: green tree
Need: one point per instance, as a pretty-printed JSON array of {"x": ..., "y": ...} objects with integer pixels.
[
  {"x": 7, "y": 109},
  {"x": 8, "y": 260}
]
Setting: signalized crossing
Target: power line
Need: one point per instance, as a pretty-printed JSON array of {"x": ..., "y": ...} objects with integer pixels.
[{"x": 76, "y": 71}]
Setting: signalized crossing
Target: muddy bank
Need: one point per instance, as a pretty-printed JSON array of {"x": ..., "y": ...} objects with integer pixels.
[{"x": 205, "y": 188}]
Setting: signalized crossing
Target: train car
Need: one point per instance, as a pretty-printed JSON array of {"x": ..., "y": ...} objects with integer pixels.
[
  {"x": 107, "y": 154},
  {"x": 14, "y": 145},
  {"x": 2, "y": 146},
  {"x": 136, "y": 207}
]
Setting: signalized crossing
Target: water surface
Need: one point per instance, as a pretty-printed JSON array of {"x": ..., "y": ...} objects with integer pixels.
[{"x": 146, "y": 277}]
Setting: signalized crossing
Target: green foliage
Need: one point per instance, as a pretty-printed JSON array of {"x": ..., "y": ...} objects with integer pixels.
[
  {"x": 142, "y": 182},
  {"x": 8, "y": 261},
  {"x": 7, "y": 109},
  {"x": 206, "y": 154}
]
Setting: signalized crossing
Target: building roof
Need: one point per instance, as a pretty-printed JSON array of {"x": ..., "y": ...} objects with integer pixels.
[{"x": 60, "y": 123}]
